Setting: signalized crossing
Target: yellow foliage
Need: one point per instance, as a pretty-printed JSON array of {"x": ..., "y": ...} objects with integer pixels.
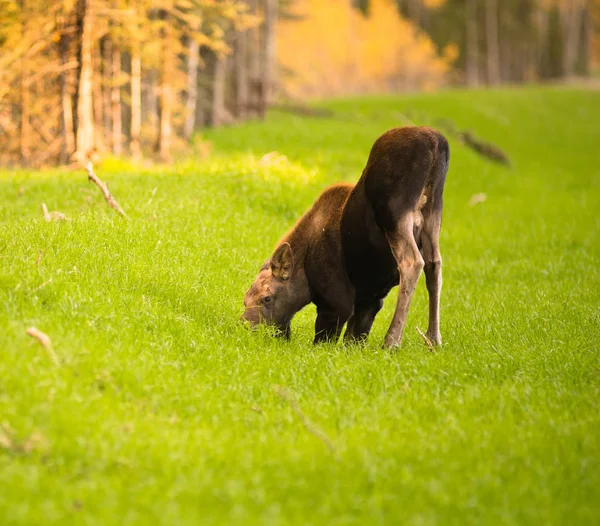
[
  {"x": 433, "y": 4},
  {"x": 334, "y": 49}
]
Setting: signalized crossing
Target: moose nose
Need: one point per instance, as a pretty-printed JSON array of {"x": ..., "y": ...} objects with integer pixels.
[{"x": 248, "y": 322}]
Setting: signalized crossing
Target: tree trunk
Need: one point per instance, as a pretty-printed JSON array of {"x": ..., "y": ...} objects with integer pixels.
[
  {"x": 571, "y": 16},
  {"x": 136, "y": 101},
  {"x": 541, "y": 55},
  {"x": 472, "y": 54},
  {"x": 241, "y": 74},
  {"x": 254, "y": 69},
  {"x": 68, "y": 140},
  {"x": 99, "y": 109},
  {"x": 153, "y": 109},
  {"x": 166, "y": 96},
  {"x": 25, "y": 128},
  {"x": 204, "y": 87},
  {"x": 218, "y": 102},
  {"x": 493, "y": 54},
  {"x": 85, "y": 112},
  {"x": 106, "y": 83},
  {"x": 192, "y": 87},
  {"x": 586, "y": 41},
  {"x": 115, "y": 100},
  {"x": 269, "y": 64},
  {"x": 554, "y": 44}
]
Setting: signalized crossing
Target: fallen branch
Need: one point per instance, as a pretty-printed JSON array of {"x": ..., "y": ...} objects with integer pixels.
[
  {"x": 104, "y": 189},
  {"x": 301, "y": 109},
  {"x": 428, "y": 342},
  {"x": 45, "y": 342},
  {"x": 483, "y": 148},
  {"x": 43, "y": 285},
  {"x": 308, "y": 425}
]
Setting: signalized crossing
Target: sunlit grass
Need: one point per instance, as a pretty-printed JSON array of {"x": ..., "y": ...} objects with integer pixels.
[{"x": 164, "y": 410}]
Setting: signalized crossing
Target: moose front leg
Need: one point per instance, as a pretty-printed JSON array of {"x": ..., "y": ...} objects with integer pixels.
[
  {"x": 329, "y": 325},
  {"x": 361, "y": 321}
]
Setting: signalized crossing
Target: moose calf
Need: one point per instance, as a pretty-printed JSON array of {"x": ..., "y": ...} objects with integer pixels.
[{"x": 359, "y": 241}]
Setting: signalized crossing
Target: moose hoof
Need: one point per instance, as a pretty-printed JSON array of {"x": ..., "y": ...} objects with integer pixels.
[
  {"x": 435, "y": 339},
  {"x": 391, "y": 343}
]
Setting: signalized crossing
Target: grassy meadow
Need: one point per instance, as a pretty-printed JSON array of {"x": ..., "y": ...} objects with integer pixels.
[{"x": 161, "y": 409}]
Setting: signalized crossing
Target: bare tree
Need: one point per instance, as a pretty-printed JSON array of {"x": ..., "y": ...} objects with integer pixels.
[
  {"x": 98, "y": 101},
  {"x": 255, "y": 87},
  {"x": 68, "y": 139},
  {"x": 25, "y": 131},
  {"x": 472, "y": 66},
  {"x": 193, "y": 62},
  {"x": 166, "y": 91},
  {"x": 136, "y": 100},
  {"x": 571, "y": 22},
  {"x": 115, "y": 100},
  {"x": 270, "y": 53},
  {"x": 586, "y": 39},
  {"x": 218, "y": 100},
  {"x": 106, "y": 50},
  {"x": 241, "y": 74},
  {"x": 85, "y": 117},
  {"x": 493, "y": 52},
  {"x": 152, "y": 105}
]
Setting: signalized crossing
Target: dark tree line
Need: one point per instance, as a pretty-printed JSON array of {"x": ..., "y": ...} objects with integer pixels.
[{"x": 510, "y": 41}]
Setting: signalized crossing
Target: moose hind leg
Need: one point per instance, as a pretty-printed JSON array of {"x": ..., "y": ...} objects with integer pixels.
[
  {"x": 410, "y": 264},
  {"x": 430, "y": 238}
]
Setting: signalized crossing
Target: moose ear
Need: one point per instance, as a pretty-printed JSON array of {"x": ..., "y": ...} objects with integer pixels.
[{"x": 282, "y": 262}]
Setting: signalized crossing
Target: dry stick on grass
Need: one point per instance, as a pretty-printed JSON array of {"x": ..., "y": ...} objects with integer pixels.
[
  {"x": 477, "y": 198},
  {"x": 39, "y": 258},
  {"x": 107, "y": 195},
  {"x": 43, "y": 285},
  {"x": 428, "y": 342},
  {"x": 45, "y": 342},
  {"x": 308, "y": 425},
  {"x": 301, "y": 109},
  {"x": 52, "y": 216}
]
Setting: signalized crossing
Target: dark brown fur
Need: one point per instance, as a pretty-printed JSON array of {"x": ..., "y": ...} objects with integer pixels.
[{"x": 359, "y": 241}]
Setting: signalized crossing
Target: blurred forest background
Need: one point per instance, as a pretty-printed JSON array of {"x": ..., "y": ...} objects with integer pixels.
[{"x": 138, "y": 77}]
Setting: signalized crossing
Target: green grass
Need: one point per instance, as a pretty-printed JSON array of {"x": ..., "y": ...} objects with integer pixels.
[{"x": 163, "y": 409}]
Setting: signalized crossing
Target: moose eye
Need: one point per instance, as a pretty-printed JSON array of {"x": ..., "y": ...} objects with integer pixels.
[{"x": 267, "y": 299}]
